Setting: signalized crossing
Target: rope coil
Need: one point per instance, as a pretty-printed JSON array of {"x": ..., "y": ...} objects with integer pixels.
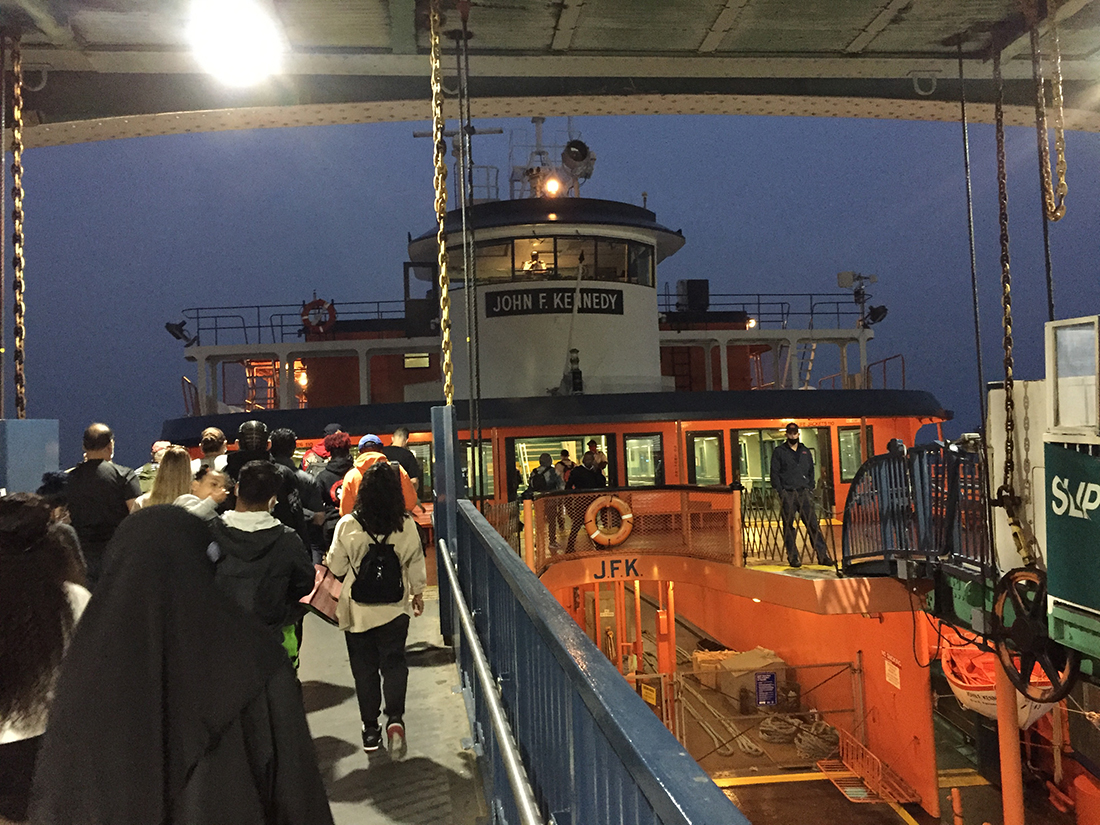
[{"x": 19, "y": 356}]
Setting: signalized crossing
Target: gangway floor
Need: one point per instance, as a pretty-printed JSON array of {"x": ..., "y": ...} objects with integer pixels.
[{"x": 437, "y": 781}]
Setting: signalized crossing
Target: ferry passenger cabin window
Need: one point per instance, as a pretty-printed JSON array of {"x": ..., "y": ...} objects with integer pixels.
[
  {"x": 522, "y": 455},
  {"x": 483, "y": 487},
  {"x": 423, "y": 452},
  {"x": 644, "y": 461},
  {"x": 757, "y": 449},
  {"x": 849, "y": 439},
  {"x": 706, "y": 459}
]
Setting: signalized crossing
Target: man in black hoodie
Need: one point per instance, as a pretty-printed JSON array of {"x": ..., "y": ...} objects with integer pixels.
[{"x": 263, "y": 566}]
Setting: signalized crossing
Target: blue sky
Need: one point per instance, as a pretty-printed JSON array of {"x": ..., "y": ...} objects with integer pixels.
[{"x": 123, "y": 235}]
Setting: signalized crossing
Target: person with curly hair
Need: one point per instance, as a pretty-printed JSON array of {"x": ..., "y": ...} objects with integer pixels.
[
  {"x": 378, "y": 544},
  {"x": 41, "y": 598}
]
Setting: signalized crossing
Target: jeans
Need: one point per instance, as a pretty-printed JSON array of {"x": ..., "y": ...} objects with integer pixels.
[
  {"x": 377, "y": 658},
  {"x": 800, "y": 504}
]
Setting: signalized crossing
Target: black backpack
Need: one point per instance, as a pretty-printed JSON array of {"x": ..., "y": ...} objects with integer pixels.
[{"x": 378, "y": 579}]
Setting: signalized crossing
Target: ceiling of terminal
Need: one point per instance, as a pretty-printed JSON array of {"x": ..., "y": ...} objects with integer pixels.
[{"x": 118, "y": 68}]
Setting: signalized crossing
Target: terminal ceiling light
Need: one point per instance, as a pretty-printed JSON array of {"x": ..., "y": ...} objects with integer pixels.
[{"x": 237, "y": 41}]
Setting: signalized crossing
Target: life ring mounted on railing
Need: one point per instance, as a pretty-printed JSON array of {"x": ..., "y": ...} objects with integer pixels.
[
  {"x": 600, "y": 534},
  {"x": 318, "y": 316}
]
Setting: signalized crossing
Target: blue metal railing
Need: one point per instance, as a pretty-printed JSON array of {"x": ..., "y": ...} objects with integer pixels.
[
  {"x": 592, "y": 749},
  {"x": 928, "y": 505}
]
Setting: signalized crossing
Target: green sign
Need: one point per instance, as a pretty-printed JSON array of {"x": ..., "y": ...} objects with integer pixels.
[{"x": 1073, "y": 526}]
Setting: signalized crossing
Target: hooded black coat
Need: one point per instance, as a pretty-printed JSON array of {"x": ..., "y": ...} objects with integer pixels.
[{"x": 173, "y": 704}]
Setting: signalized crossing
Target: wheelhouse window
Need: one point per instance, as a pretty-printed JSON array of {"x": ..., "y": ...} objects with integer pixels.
[
  {"x": 565, "y": 257},
  {"x": 644, "y": 461}
]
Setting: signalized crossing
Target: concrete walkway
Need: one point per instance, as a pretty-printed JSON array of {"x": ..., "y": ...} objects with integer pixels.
[{"x": 437, "y": 780}]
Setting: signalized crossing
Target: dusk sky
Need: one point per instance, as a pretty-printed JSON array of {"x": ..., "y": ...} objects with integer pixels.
[{"x": 123, "y": 235}]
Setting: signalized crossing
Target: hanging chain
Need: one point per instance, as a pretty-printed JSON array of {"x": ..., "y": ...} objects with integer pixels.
[
  {"x": 1054, "y": 199},
  {"x": 17, "y": 225},
  {"x": 441, "y": 203},
  {"x": 1022, "y": 536}
]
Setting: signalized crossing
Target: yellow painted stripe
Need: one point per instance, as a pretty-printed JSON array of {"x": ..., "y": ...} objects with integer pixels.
[
  {"x": 903, "y": 814},
  {"x": 777, "y": 779},
  {"x": 963, "y": 780}
]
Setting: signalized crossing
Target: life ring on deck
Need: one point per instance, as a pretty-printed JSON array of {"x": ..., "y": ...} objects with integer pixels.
[
  {"x": 597, "y": 532},
  {"x": 318, "y": 316}
]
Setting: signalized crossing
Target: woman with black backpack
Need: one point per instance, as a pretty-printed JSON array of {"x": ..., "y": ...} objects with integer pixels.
[{"x": 377, "y": 548}]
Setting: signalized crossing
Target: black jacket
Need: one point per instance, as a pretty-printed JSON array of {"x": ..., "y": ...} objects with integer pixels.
[
  {"x": 334, "y": 471},
  {"x": 173, "y": 705},
  {"x": 265, "y": 572},
  {"x": 792, "y": 469},
  {"x": 288, "y": 506},
  {"x": 581, "y": 478}
]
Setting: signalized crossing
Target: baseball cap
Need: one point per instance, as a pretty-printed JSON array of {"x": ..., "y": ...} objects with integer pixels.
[
  {"x": 369, "y": 438},
  {"x": 792, "y": 426},
  {"x": 333, "y": 428}
]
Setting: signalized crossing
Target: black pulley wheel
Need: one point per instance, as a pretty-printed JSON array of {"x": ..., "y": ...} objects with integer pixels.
[{"x": 1021, "y": 633}]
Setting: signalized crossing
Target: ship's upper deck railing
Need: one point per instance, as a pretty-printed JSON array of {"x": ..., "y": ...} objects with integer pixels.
[
  {"x": 273, "y": 323},
  {"x": 795, "y": 310}
]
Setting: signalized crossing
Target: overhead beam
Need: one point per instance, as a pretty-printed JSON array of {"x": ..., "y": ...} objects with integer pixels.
[
  {"x": 567, "y": 24},
  {"x": 180, "y": 62},
  {"x": 876, "y": 26},
  {"x": 403, "y": 26},
  {"x": 266, "y": 117},
  {"x": 1062, "y": 13},
  {"x": 35, "y": 14},
  {"x": 723, "y": 23}
]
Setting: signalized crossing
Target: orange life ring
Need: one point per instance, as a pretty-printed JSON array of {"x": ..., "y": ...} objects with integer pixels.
[
  {"x": 605, "y": 537},
  {"x": 318, "y": 316}
]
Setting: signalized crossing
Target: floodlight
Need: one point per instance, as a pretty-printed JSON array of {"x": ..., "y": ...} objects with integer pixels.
[
  {"x": 552, "y": 186},
  {"x": 750, "y": 324},
  {"x": 237, "y": 41},
  {"x": 176, "y": 331},
  {"x": 875, "y": 314}
]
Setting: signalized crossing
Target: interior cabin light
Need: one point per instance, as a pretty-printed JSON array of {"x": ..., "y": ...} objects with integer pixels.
[
  {"x": 303, "y": 380},
  {"x": 552, "y": 186},
  {"x": 237, "y": 41}
]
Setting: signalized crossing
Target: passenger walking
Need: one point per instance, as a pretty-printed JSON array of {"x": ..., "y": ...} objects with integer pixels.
[
  {"x": 370, "y": 452},
  {"x": 173, "y": 478},
  {"x": 377, "y": 547},
  {"x": 148, "y": 471},
  {"x": 583, "y": 477},
  {"x": 263, "y": 565},
  {"x": 214, "y": 448},
  {"x": 41, "y": 599},
  {"x": 174, "y": 705},
  {"x": 283, "y": 444},
  {"x": 331, "y": 479},
  {"x": 598, "y": 456},
  {"x": 101, "y": 494},
  {"x": 399, "y": 451},
  {"x": 792, "y": 476},
  {"x": 315, "y": 458},
  {"x": 253, "y": 445},
  {"x": 544, "y": 479},
  {"x": 209, "y": 489}
]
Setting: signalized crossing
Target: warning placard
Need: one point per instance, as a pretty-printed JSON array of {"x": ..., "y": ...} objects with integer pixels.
[{"x": 649, "y": 694}]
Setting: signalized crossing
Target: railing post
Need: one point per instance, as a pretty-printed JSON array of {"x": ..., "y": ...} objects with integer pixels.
[
  {"x": 736, "y": 527},
  {"x": 529, "y": 533},
  {"x": 446, "y": 474}
]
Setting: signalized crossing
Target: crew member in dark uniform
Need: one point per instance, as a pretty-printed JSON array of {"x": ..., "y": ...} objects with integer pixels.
[{"x": 792, "y": 476}]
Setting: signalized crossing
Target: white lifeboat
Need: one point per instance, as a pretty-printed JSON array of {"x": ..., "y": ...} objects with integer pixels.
[{"x": 971, "y": 673}]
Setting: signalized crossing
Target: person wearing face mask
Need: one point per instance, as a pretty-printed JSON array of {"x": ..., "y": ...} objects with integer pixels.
[{"x": 792, "y": 476}]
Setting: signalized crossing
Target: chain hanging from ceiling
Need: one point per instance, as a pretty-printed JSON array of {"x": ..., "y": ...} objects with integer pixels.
[
  {"x": 1054, "y": 196},
  {"x": 440, "y": 180},
  {"x": 20, "y": 331}
]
